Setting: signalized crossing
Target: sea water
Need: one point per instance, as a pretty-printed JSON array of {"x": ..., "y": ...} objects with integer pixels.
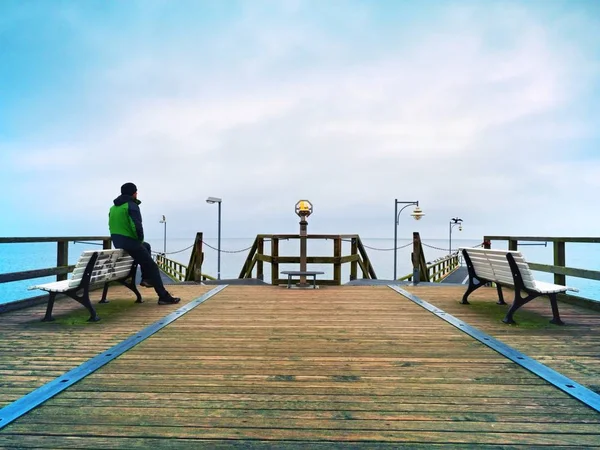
[{"x": 234, "y": 251}]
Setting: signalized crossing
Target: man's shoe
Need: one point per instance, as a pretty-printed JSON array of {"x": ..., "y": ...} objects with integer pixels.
[
  {"x": 146, "y": 284},
  {"x": 169, "y": 300}
]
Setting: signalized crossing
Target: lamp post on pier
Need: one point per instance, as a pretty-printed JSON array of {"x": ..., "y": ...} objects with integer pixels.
[
  {"x": 164, "y": 221},
  {"x": 453, "y": 222},
  {"x": 213, "y": 200},
  {"x": 417, "y": 214}
]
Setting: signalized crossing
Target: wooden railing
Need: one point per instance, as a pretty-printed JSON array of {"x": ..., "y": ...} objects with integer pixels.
[
  {"x": 62, "y": 268},
  {"x": 357, "y": 258},
  {"x": 559, "y": 268},
  {"x": 175, "y": 270},
  {"x": 180, "y": 272},
  {"x": 439, "y": 269}
]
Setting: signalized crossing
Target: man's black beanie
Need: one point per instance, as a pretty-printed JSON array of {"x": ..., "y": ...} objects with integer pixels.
[{"x": 128, "y": 189}]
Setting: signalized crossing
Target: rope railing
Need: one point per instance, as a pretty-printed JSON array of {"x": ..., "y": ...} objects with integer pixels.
[
  {"x": 454, "y": 250},
  {"x": 344, "y": 240}
]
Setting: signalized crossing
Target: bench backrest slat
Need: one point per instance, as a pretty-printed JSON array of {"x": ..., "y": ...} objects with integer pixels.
[
  {"x": 111, "y": 264},
  {"x": 492, "y": 265}
]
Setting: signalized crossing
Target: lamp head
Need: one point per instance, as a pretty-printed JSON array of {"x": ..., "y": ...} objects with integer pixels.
[
  {"x": 213, "y": 200},
  {"x": 304, "y": 208},
  {"x": 417, "y": 213},
  {"x": 164, "y": 220}
]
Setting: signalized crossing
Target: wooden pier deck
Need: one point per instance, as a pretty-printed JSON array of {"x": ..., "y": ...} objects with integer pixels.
[{"x": 267, "y": 367}]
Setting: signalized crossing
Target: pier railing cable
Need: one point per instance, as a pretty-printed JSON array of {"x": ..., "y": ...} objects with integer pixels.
[
  {"x": 454, "y": 250},
  {"x": 249, "y": 247},
  {"x": 203, "y": 243},
  {"x": 381, "y": 249}
]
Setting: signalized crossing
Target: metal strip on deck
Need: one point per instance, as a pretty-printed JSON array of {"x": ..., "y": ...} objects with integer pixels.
[
  {"x": 35, "y": 398},
  {"x": 574, "y": 389}
]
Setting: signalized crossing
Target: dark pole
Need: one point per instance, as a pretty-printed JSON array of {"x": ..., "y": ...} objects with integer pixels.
[
  {"x": 219, "y": 247},
  {"x": 165, "y": 240},
  {"x": 454, "y": 221},
  {"x": 450, "y": 238},
  {"x": 395, "y": 236},
  {"x": 396, "y": 220}
]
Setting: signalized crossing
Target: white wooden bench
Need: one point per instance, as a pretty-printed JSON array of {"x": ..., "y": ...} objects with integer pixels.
[
  {"x": 94, "y": 269},
  {"x": 509, "y": 268}
]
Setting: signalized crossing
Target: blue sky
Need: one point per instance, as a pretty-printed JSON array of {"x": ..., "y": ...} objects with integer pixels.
[{"x": 487, "y": 110}]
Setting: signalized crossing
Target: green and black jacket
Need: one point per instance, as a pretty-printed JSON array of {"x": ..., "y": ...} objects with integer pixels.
[{"x": 125, "y": 218}]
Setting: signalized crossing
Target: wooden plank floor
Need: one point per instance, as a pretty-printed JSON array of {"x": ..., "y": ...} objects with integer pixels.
[
  {"x": 33, "y": 353},
  {"x": 573, "y": 350},
  {"x": 265, "y": 367}
]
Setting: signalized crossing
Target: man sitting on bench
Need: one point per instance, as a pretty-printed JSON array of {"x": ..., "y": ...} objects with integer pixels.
[{"x": 127, "y": 233}]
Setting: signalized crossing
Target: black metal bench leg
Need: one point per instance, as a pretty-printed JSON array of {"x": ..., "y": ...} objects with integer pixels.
[
  {"x": 85, "y": 301},
  {"x": 500, "y": 296},
  {"x": 555, "y": 315},
  {"x": 132, "y": 287},
  {"x": 517, "y": 303},
  {"x": 472, "y": 287},
  {"x": 104, "y": 294},
  {"x": 509, "y": 315},
  {"x": 138, "y": 296},
  {"x": 314, "y": 281},
  {"x": 48, "y": 317}
]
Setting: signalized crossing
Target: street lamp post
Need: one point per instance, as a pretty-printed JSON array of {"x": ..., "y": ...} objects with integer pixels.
[
  {"x": 164, "y": 220},
  {"x": 453, "y": 222},
  {"x": 219, "y": 201},
  {"x": 417, "y": 214}
]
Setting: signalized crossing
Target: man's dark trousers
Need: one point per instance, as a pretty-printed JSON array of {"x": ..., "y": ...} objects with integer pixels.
[{"x": 142, "y": 256}]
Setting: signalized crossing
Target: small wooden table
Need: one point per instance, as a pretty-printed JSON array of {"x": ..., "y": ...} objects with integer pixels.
[{"x": 302, "y": 273}]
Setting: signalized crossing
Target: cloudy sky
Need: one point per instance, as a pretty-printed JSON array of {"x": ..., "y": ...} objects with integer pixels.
[{"x": 486, "y": 110}]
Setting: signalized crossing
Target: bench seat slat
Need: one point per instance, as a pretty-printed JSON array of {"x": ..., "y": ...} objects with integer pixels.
[
  {"x": 56, "y": 286},
  {"x": 549, "y": 288}
]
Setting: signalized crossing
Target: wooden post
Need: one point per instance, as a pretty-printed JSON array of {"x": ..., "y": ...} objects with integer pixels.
[
  {"x": 275, "y": 261},
  {"x": 513, "y": 245},
  {"x": 194, "y": 271},
  {"x": 259, "y": 263},
  {"x": 106, "y": 244},
  {"x": 337, "y": 265},
  {"x": 62, "y": 258},
  {"x": 559, "y": 260},
  {"x": 416, "y": 257},
  {"x": 354, "y": 263}
]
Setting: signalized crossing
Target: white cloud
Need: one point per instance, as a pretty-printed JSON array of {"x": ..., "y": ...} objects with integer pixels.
[{"x": 462, "y": 125}]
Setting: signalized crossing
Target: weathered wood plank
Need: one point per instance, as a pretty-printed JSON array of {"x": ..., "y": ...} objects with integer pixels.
[
  {"x": 313, "y": 368},
  {"x": 295, "y": 434}
]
